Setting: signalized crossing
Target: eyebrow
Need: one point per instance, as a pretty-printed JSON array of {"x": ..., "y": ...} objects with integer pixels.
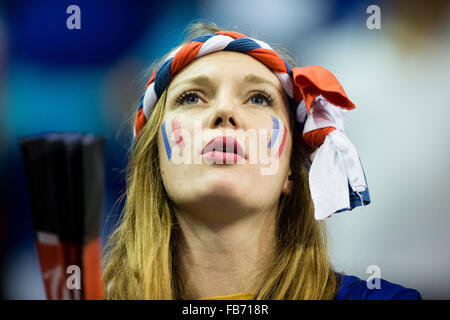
[
  {"x": 206, "y": 81},
  {"x": 257, "y": 79},
  {"x": 198, "y": 80}
]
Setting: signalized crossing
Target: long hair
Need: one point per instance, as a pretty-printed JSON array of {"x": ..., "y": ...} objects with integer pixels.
[{"x": 141, "y": 254}]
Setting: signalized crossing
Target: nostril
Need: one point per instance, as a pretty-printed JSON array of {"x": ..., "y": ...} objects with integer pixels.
[{"x": 219, "y": 120}]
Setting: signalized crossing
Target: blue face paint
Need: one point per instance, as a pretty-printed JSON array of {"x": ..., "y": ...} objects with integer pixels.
[
  {"x": 166, "y": 141},
  {"x": 275, "y": 129}
]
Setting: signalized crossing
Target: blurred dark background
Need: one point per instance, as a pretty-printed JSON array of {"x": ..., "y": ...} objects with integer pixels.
[{"x": 90, "y": 80}]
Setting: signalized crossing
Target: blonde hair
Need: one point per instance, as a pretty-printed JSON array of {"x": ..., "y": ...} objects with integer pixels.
[{"x": 141, "y": 254}]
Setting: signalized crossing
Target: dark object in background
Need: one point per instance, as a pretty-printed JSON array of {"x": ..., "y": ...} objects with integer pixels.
[
  {"x": 65, "y": 174},
  {"x": 37, "y": 30}
]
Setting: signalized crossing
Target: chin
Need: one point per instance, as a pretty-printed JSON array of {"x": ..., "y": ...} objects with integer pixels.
[
  {"x": 219, "y": 192},
  {"x": 223, "y": 185}
]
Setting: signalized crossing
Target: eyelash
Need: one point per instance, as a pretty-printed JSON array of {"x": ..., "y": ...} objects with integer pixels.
[
  {"x": 264, "y": 94},
  {"x": 186, "y": 94},
  {"x": 181, "y": 98}
]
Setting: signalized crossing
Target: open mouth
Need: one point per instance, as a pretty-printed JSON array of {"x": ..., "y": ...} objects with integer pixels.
[{"x": 223, "y": 149}]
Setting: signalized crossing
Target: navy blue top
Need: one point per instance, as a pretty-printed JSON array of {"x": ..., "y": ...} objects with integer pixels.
[{"x": 353, "y": 288}]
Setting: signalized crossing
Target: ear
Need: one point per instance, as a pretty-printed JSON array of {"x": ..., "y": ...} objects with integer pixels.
[{"x": 288, "y": 184}]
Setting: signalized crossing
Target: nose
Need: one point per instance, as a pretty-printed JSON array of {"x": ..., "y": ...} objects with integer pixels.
[
  {"x": 224, "y": 120},
  {"x": 225, "y": 113}
]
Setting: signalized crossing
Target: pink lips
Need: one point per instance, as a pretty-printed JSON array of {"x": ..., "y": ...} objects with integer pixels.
[{"x": 223, "y": 149}]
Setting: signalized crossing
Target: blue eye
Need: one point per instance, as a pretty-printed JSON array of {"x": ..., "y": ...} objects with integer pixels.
[
  {"x": 261, "y": 98},
  {"x": 188, "y": 98},
  {"x": 191, "y": 99},
  {"x": 257, "y": 100}
]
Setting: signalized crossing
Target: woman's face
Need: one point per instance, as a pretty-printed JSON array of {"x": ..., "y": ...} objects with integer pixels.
[{"x": 225, "y": 142}]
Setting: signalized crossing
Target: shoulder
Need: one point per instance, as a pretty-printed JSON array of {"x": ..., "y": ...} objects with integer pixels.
[{"x": 353, "y": 288}]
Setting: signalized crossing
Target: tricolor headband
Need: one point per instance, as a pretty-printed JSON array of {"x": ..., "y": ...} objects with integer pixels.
[{"x": 336, "y": 176}]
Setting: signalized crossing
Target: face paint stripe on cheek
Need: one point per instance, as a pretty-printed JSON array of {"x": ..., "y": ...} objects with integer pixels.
[
  {"x": 280, "y": 150},
  {"x": 275, "y": 129},
  {"x": 176, "y": 129},
  {"x": 166, "y": 141}
]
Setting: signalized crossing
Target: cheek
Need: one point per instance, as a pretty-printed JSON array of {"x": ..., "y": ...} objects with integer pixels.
[
  {"x": 178, "y": 133},
  {"x": 278, "y": 137},
  {"x": 169, "y": 171},
  {"x": 166, "y": 141},
  {"x": 172, "y": 135}
]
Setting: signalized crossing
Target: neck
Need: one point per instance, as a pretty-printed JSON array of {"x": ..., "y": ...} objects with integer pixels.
[{"x": 217, "y": 258}]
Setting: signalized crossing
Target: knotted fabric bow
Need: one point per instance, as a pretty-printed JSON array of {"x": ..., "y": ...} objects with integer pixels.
[{"x": 336, "y": 177}]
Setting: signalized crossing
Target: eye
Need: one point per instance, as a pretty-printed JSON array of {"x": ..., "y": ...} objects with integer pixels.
[
  {"x": 261, "y": 97},
  {"x": 188, "y": 97}
]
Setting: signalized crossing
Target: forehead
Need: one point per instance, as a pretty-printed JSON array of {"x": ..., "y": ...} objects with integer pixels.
[{"x": 225, "y": 64}]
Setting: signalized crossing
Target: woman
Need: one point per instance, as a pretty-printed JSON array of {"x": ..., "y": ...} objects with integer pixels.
[{"x": 219, "y": 199}]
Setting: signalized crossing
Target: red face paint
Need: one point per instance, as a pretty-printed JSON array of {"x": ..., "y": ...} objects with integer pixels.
[
  {"x": 277, "y": 134},
  {"x": 283, "y": 141},
  {"x": 176, "y": 129}
]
